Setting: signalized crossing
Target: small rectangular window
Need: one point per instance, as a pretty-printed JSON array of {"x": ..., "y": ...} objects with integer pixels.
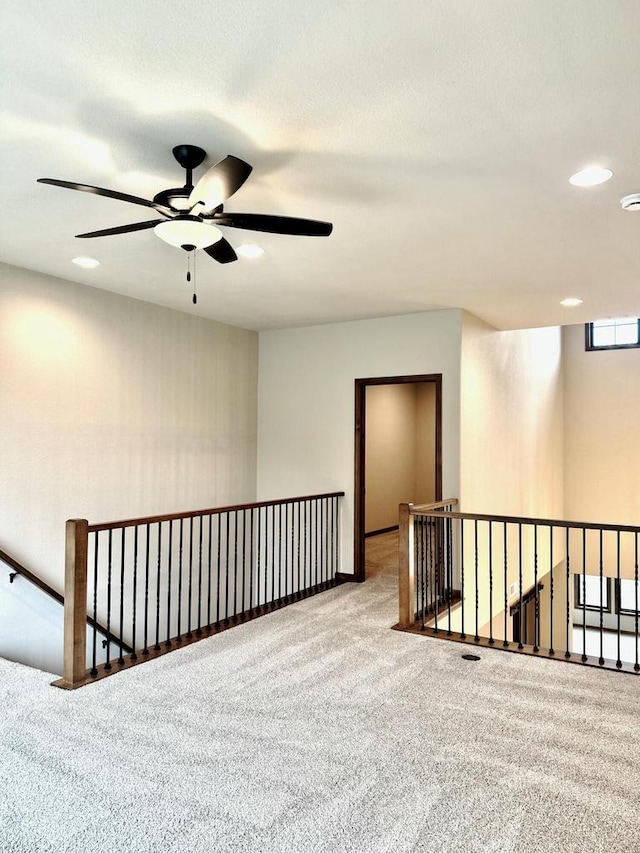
[
  {"x": 619, "y": 333},
  {"x": 590, "y": 594},
  {"x": 629, "y": 596}
]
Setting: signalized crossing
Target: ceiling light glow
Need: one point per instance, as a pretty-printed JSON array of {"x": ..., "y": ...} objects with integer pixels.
[
  {"x": 590, "y": 177},
  {"x": 188, "y": 232},
  {"x": 571, "y": 302},
  {"x": 86, "y": 263},
  {"x": 250, "y": 250}
]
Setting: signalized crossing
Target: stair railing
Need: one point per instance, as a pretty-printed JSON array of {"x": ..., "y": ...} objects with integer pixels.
[
  {"x": 162, "y": 582},
  {"x": 557, "y": 589},
  {"x": 21, "y": 571}
]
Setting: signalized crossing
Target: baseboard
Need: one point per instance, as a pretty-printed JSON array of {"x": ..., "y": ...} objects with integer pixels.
[
  {"x": 381, "y": 531},
  {"x": 343, "y": 577}
]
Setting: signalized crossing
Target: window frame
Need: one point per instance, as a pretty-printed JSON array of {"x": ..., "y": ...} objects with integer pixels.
[
  {"x": 578, "y": 605},
  {"x": 588, "y": 340},
  {"x": 624, "y": 611}
]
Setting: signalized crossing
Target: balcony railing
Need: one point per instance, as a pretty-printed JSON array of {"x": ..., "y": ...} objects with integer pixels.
[
  {"x": 161, "y": 582},
  {"x": 556, "y": 589}
]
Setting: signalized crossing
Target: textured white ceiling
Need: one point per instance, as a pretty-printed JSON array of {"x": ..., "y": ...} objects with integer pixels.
[{"x": 437, "y": 136}]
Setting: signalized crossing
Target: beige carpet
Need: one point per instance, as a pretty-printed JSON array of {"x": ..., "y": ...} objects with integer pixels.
[{"x": 319, "y": 729}]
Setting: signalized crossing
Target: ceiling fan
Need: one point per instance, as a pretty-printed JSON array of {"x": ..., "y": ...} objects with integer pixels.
[{"x": 191, "y": 214}]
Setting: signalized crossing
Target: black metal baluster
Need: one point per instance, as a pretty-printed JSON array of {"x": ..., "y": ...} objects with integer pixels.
[
  {"x": 431, "y": 551},
  {"x": 266, "y": 556},
  {"x": 273, "y": 554},
  {"x": 521, "y": 623},
  {"x": 226, "y": 572},
  {"x": 462, "y": 633},
  {"x": 209, "y": 558},
  {"x": 251, "y": 558},
  {"x": 199, "y": 628},
  {"x": 637, "y": 614},
  {"x": 109, "y": 566},
  {"x": 304, "y": 550},
  {"x": 134, "y": 655},
  {"x": 218, "y": 571},
  {"x": 449, "y": 572},
  {"x": 180, "y": 550},
  {"x": 552, "y": 651},
  {"x": 235, "y": 564},
  {"x": 322, "y": 541},
  {"x": 337, "y": 567},
  {"x": 567, "y": 653},
  {"x": 167, "y": 641},
  {"x": 258, "y": 555},
  {"x": 286, "y": 550},
  {"x": 94, "y": 668},
  {"x": 475, "y": 538},
  {"x": 157, "y": 645},
  {"x": 190, "y": 581},
  {"x": 299, "y": 539},
  {"x": 601, "y": 658},
  {"x": 584, "y": 594},
  {"x": 315, "y": 543},
  {"x": 619, "y": 660},
  {"x": 505, "y": 641},
  {"x": 436, "y": 606},
  {"x": 244, "y": 559},
  {"x": 420, "y": 591},
  {"x": 280, "y": 552},
  {"x": 332, "y": 544},
  {"x": 536, "y": 614},
  {"x": 122, "y": 554},
  {"x": 491, "y": 640}
]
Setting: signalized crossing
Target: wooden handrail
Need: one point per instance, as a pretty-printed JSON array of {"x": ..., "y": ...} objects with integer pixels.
[
  {"x": 21, "y": 570},
  {"x": 419, "y": 508},
  {"x": 174, "y": 516},
  {"x": 515, "y": 519}
]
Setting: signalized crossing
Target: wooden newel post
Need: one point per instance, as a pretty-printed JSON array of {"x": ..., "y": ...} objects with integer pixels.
[
  {"x": 75, "y": 603},
  {"x": 406, "y": 575}
]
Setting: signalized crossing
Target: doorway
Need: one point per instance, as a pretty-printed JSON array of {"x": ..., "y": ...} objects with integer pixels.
[{"x": 403, "y": 432}]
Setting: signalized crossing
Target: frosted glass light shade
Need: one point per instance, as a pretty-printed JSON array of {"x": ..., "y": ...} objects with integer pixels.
[{"x": 188, "y": 231}]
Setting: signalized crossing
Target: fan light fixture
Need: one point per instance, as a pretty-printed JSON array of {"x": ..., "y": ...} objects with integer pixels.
[
  {"x": 188, "y": 232},
  {"x": 590, "y": 177}
]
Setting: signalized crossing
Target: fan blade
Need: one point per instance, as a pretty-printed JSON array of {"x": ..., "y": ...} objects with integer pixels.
[
  {"x": 222, "y": 252},
  {"x": 122, "y": 229},
  {"x": 86, "y": 188},
  {"x": 275, "y": 224},
  {"x": 220, "y": 182}
]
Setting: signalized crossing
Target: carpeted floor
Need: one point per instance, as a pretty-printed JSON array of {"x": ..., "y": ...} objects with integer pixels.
[{"x": 319, "y": 729}]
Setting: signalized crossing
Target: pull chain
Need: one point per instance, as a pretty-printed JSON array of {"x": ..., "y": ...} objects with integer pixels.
[{"x": 195, "y": 298}]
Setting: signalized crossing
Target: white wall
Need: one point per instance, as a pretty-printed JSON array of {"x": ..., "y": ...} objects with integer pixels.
[
  {"x": 113, "y": 408},
  {"x": 512, "y": 421},
  {"x": 306, "y": 400},
  {"x": 602, "y": 438}
]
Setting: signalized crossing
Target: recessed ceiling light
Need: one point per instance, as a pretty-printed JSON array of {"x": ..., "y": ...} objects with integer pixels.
[
  {"x": 631, "y": 202},
  {"x": 590, "y": 177},
  {"x": 250, "y": 250},
  {"x": 571, "y": 302},
  {"x": 86, "y": 263}
]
